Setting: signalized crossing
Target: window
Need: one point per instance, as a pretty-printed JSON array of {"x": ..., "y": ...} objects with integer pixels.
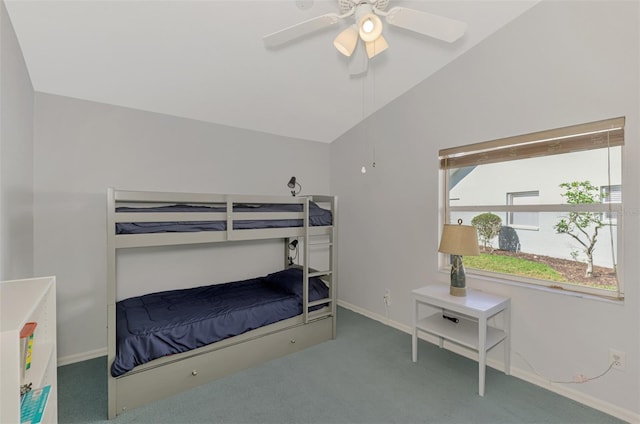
[
  {"x": 523, "y": 220},
  {"x": 566, "y": 184}
]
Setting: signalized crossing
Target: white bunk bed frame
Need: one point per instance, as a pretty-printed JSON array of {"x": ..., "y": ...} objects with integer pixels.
[{"x": 175, "y": 373}]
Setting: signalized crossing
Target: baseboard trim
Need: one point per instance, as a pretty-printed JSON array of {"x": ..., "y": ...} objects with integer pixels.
[
  {"x": 529, "y": 377},
  {"x": 72, "y": 359}
]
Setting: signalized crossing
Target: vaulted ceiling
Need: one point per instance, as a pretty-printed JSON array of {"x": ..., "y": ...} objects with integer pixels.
[{"x": 206, "y": 60}]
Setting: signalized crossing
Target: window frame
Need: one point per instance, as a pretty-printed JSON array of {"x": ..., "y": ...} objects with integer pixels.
[
  {"x": 601, "y": 134},
  {"x": 607, "y": 199}
]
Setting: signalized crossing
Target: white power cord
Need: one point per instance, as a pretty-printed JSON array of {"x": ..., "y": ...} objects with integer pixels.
[{"x": 578, "y": 380}]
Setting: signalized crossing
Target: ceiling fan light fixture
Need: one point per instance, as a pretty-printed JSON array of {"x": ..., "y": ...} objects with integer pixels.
[
  {"x": 370, "y": 27},
  {"x": 367, "y": 26},
  {"x": 376, "y": 46},
  {"x": 346, "y": 41}
]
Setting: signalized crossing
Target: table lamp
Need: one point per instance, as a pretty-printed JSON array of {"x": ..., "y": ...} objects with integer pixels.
[{"x": 459, "y": 240}]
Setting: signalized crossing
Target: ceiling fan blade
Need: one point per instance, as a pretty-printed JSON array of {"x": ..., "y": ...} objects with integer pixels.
[
  {"x": 435, "y": 26},
  {"x": 301, "y": 29},
  {"x": 359, "y": 61}
]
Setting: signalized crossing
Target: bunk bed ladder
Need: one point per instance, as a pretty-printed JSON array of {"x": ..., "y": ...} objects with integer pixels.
[
  {"x": 329, "y": 276},
  {"x": 305, "y": 268}
]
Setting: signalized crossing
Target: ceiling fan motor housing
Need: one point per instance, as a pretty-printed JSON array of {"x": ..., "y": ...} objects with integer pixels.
[{"x": 347, "y": 5}]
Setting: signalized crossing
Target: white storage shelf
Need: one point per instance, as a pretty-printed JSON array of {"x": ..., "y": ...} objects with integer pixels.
[
  {"x": 464, "y": 332},
  {"x": 22, "y": 301}
]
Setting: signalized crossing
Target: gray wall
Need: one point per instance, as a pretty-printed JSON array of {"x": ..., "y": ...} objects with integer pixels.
[
  {"x": 560, "y": 63},
  {"x": 81, "y": 148},
  {"x": 16, "y": 157}
]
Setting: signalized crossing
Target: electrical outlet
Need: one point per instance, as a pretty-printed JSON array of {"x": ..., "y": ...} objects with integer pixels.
[
  {"x": 617, "y": 358},
  {"x": 387, "y": 297}
]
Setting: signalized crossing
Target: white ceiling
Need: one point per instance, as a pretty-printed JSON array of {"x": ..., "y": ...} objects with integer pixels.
[{"x": 205, "y": 60}]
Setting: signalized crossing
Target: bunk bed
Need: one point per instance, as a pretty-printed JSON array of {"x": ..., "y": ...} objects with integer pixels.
[{"x": 165, "y": 342}]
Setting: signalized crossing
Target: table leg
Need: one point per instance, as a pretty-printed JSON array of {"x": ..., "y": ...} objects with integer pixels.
[
  {"x": 414, "y": 336},
  {"x": 440, "y": 338},
  {"x": 507, "y": 340},
  {"x": 482, "y": 353}
]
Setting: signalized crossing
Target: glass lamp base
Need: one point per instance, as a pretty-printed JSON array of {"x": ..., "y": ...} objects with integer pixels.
[{"x": 458, "y": 280}]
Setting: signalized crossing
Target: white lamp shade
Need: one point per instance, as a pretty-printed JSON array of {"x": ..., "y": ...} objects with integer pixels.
[
  {"x": 369, "y": 27},
  {"x": 459, "y": 240},
  {"x": 376, "y": 46},
  {"x": 346, "y": 41}
]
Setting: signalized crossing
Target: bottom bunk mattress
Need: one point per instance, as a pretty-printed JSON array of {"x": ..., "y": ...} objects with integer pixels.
[{"x": 165, "y": 323}]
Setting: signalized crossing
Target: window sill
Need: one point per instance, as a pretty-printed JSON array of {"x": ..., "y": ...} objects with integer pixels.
[{"x": 541, "y": 288}]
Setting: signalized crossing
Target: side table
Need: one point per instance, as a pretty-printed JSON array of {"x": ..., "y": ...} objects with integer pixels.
[{"x": 466, "y": 324}]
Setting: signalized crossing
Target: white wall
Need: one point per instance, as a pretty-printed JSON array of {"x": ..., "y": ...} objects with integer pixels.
[
  {"x": 81, "y": 148},
  {"x": 16, "y": 157},
  {"x": 559, "y": 64}
]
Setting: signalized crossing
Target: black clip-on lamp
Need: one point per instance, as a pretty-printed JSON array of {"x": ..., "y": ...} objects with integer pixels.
[
  {"x": 292, "y": 185},
  {"x": 293, "y": 246}
]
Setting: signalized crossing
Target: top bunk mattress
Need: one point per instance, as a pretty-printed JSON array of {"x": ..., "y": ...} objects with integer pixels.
[
  {"x": 169, "y": 322},
  {"x": 317, "y": 217}
]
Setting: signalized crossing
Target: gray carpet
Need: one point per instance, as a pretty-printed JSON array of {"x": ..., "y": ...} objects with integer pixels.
[{"x": 364, "y": 376}]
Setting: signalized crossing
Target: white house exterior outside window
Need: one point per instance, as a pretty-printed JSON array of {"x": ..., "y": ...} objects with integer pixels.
[{"x": 529, "y": 170}]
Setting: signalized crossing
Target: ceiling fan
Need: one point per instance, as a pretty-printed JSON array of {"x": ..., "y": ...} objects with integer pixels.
[{"x": 367, "y": 28}]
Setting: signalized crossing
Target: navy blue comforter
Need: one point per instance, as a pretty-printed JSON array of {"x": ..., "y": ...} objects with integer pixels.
[{"x": 165, "y": 323}]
